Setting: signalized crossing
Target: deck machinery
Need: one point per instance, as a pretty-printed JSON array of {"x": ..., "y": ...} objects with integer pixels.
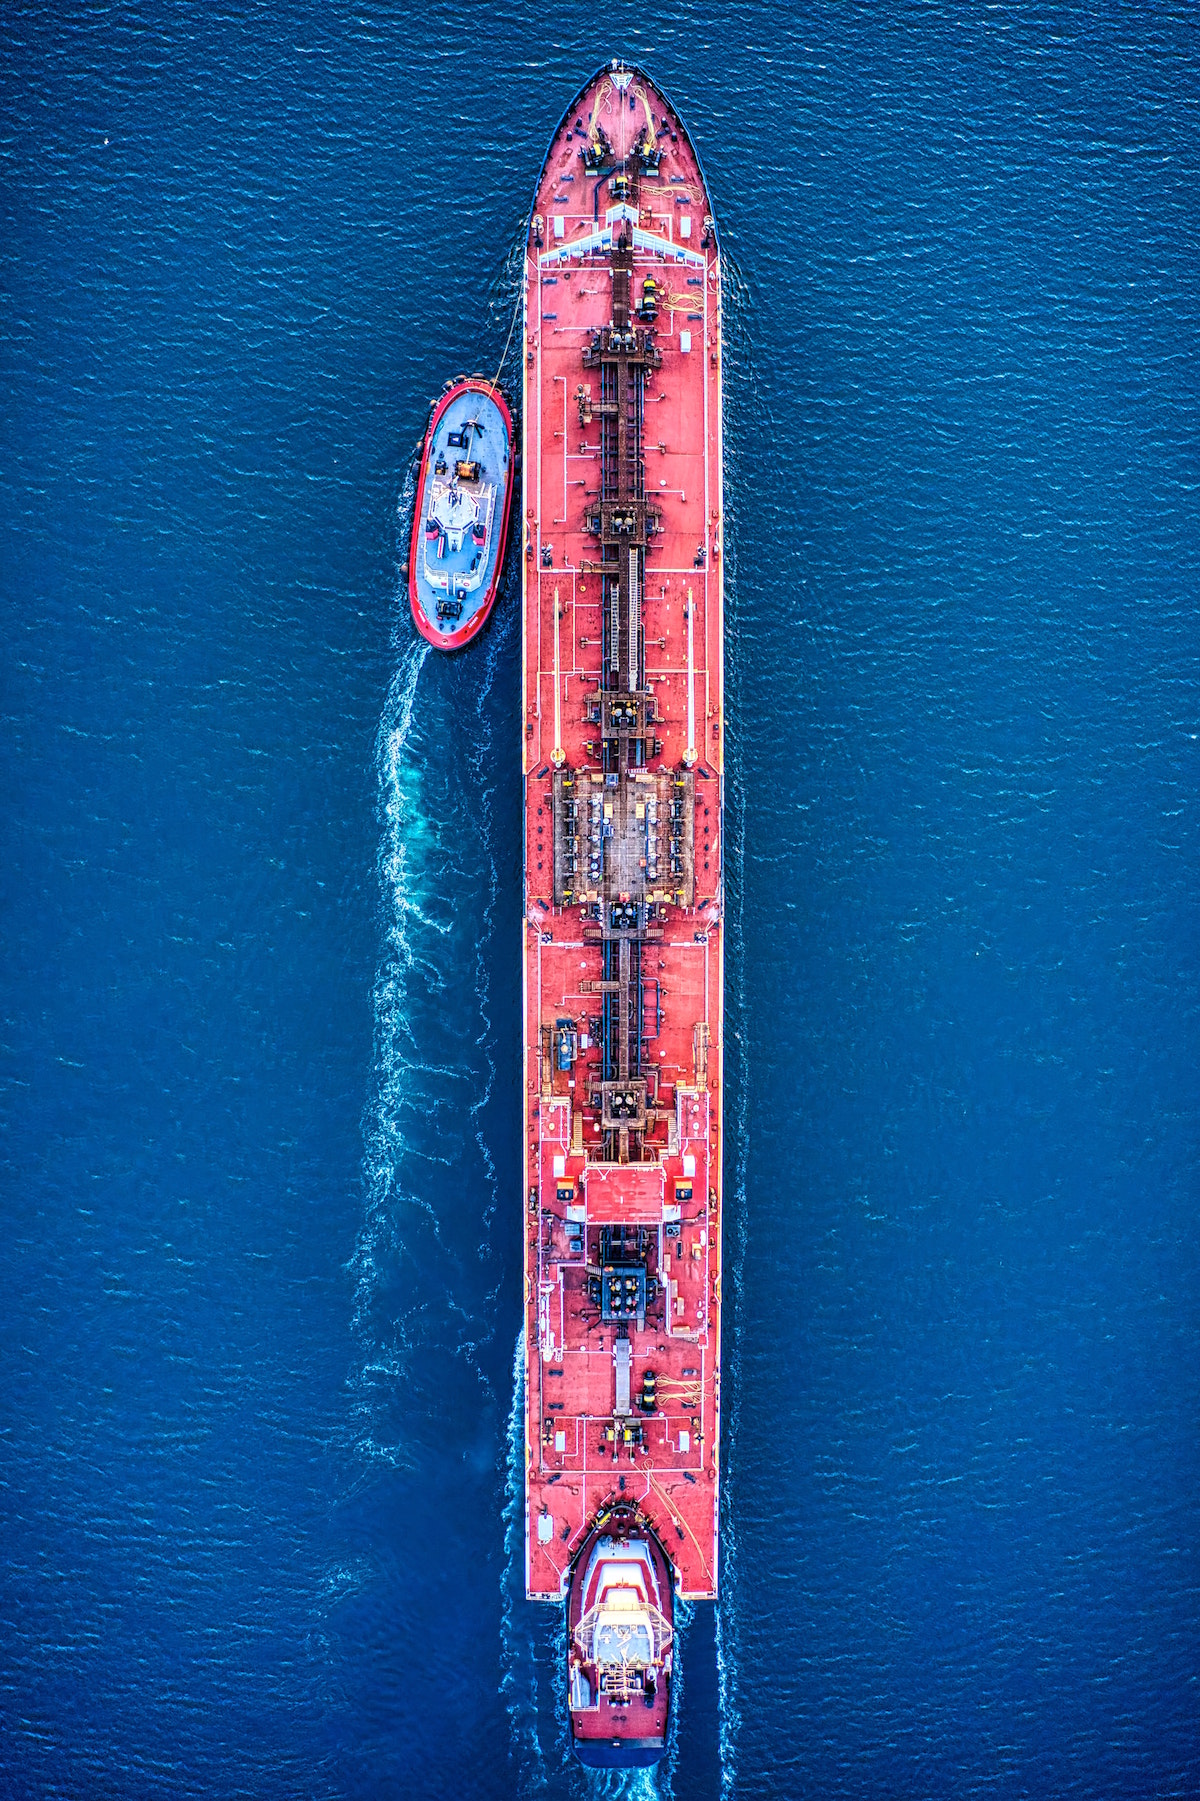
[{"x": 622, "y": 721}]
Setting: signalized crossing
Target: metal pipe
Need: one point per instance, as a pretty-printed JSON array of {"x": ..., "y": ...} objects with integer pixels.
[
  {"x": 558, "y": 755},
  {"x": 689, "y": 755}
]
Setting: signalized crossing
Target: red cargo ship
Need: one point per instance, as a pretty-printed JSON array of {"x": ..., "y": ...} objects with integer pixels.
[{"x": 622, "y": 709}]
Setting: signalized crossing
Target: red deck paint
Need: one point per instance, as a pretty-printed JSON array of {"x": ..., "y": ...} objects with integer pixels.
[{"x": 575, "y": 1180}]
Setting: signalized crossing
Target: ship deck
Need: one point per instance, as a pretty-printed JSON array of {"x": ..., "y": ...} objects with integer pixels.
[{"x": 622, "y": 813}]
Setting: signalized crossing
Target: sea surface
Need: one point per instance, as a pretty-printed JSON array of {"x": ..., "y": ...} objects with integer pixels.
[{"x": 260, "y": 877}]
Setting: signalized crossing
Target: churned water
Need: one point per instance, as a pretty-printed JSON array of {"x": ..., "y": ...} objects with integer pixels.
[{"x": 259, "y": 1464}]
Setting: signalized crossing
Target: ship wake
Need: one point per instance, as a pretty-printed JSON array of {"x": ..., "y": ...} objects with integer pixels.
[
  {"x": 428, "y": 1171},
  {"x": 739, "y": 352},
  {"x": 519, "y": 1681},
  {"x": 397, "y": 1063}
]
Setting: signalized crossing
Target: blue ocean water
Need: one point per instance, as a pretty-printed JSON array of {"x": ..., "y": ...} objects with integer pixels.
[{"x": 261, "y": 855}]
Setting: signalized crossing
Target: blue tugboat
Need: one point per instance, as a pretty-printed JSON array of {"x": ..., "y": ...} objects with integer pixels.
[{"x": 460, "y": 522}]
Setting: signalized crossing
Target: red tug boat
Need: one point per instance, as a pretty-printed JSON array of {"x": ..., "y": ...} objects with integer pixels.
[
  {"x": 460, "y": 521},
  {"x": 623, "y": 759}
]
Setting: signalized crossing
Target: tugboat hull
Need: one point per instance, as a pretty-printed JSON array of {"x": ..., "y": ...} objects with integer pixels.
[
  {"x": 460, "y": 521},
  {"x": 620, "y": 1608},
  {"x": 622, "y": 1754}
]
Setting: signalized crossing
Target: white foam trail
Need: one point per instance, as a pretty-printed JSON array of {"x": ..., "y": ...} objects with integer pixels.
[
  {"x": 519, "y": 1663},
  {"x": 626, "y": 1785},
  {"x": 569, "y": 1766},
  {"x": 728, "y": 1635},
  {"x": 740, "y": 340},
  {"x": 685, "y": 1613},
  {"x": 428, "y": 1101},
  {"x": 397, "y": 1062},
  {"x": 729, "y": 1712}
]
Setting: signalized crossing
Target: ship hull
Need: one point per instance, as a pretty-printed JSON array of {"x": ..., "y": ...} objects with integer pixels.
[
  {"x": 629, "y": 1753},
  {"x": 623, "y": 934},
  {"x": 460, "y": 521}
]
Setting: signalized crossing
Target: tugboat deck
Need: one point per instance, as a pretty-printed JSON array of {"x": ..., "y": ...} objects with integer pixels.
[{"x": 460, "y": 520}]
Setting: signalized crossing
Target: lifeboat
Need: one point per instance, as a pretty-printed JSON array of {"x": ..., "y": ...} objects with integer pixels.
[{"x": 460, "y": 521}]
